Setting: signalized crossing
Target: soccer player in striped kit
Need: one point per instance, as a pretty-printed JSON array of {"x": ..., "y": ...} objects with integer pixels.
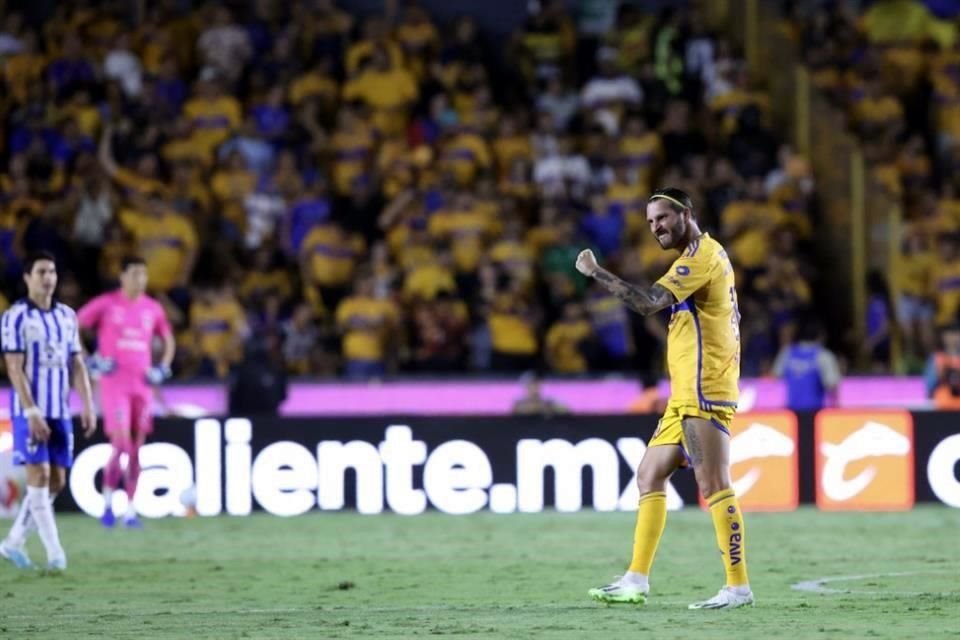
[
  {"x": 126, "y": 321},
  {"x": 41, "y": 346}
]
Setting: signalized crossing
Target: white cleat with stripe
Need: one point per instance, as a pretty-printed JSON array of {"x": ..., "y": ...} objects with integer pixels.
[{"x": 727, "y": 598}]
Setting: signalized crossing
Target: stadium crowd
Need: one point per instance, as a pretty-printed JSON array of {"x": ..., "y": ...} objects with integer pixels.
[
  {"x": 894, "y": 69},
  {"x": 388, "y": 194}
]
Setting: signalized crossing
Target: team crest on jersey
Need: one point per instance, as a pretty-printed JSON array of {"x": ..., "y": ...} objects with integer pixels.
[{"x": 33, "y": 331}]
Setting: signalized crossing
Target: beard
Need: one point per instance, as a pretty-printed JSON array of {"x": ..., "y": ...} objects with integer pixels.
[{"x": 672, "y": 237}]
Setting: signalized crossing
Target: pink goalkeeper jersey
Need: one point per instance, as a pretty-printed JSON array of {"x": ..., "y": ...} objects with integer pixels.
[{"x": 125, "y": 329}]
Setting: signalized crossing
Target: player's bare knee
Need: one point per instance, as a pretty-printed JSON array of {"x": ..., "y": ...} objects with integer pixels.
[
  {"x": 38, "y": 475},
  {"x": 711, "y": 479},
  {"x": 650, "y": 482},
  {"x": 58, "y": 479}
]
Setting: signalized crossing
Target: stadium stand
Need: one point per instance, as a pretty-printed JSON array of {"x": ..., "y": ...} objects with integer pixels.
[
  {"x": 893, "y": 69},
  {"x": 387, "y": 194}
]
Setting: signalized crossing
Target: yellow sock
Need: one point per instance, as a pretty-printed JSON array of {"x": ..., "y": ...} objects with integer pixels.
[
  {"x": 731, "y": 536},
  {"x": 651, "y": 519}
]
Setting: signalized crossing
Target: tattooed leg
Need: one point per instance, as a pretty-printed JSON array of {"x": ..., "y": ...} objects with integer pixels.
[{"x": 709, "y": 451}]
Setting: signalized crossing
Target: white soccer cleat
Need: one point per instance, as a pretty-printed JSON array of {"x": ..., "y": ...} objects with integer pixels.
[
  {"x": 621, "y": 591},
  {"x": 727, "y": 598}
]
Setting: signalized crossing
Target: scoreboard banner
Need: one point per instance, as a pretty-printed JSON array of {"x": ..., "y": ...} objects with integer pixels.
[{"x": 838, "y": 459}]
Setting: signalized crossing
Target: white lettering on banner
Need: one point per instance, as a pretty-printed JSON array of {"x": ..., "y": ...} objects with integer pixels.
[
  {"x": 283, "y": 479},
  {"x": 166, "y": 471},
  {"x": 333, "y": 459},
  {"x": 567, "y": 460},
  {"x": 206, "y": 438},
  {"x": 873, "y": 439},
  {"x": 85, "y": 469},
  {"x": 941, "y": 470},
  {"x": 400, "y": 452},
  {"x": 238, "y": 432},
  {"x": 457, "y": 475}
]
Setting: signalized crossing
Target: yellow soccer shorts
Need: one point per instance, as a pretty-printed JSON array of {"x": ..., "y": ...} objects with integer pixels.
[{"x": 670, "y": 428}]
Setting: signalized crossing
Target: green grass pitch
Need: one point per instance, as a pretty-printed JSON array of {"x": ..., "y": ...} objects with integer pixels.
[{"x": 507, "y": 576}]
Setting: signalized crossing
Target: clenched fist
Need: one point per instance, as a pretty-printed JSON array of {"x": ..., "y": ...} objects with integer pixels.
[{"x": 587, "y": 263}]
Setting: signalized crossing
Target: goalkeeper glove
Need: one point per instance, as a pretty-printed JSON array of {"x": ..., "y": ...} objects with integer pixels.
[
  {"x": 159, "y": 374},
  {"x": 98, "y": 365}
]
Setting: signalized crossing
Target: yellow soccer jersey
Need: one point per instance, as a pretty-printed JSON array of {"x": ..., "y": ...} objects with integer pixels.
[{"x": 703, "y": 341}]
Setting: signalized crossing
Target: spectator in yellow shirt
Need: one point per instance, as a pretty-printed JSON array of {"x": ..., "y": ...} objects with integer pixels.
[
  {"x": 24, "y": 67},
  {"x": 212, "y": 114},
  {"x": 265, "y": 279},
  {"x": 747, "y": 224},
  {"x": 328, "y": 258},
  {"x": 640, "y": 149},
  {"x": 389, "y": 91},
  {"x": 465, "y": 154},
  {"x": 629, "y": 193},
  {"x": 316, "y": 84},
  {"x": 946, "y": 281},
  {"x": 466, "y": 227},
  {"x": 233, "y": 181},
  {"x": 167, "y": 241},
  {"x": 366, "y": 324},
  {"x": 428, "y": 277},
  {"x": 219, "y": 326},
  {"x": 510, "y": 145},
  {"x": 513, "y": 255},
  {"x": 353, "y": 146},
  {"x": 513, "y": 333},
  {"x": 566, "y": 341}
]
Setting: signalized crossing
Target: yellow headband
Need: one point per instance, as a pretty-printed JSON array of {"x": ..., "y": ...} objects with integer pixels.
[{"x": 673, "y": 200}]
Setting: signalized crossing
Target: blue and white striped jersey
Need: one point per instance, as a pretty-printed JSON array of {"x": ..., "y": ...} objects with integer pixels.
[{"x": 48, "y": 340}]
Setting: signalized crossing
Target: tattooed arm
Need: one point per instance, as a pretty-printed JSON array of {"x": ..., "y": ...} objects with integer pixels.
[{"x": 644, "y": 300}]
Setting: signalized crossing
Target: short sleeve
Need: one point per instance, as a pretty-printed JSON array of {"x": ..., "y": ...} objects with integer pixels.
[
  {"x": 11, "y": 336},
  {"x": 688, "y": 273},
  {"x": 162, "y": 327},
  {"x": 75, "y": 345},
  {"x": 89, "y": 314}
]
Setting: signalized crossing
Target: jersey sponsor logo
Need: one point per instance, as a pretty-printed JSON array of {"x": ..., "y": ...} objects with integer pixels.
[
  {"x": 864, "y": 460},
  {"x": 764, "y": 460},
  {"x": 683, "y": 270}
]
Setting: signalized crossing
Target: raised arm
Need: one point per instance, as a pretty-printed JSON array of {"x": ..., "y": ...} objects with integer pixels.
[
  {"x": 644, "y": 300},
  {"x": 105, "y": 151}
]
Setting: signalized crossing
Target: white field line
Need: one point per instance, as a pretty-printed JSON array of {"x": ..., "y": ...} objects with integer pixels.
[{"x": 818, "y": 585}]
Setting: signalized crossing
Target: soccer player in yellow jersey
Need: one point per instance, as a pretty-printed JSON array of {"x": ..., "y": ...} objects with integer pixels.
[{"x": 703, "y": 351}]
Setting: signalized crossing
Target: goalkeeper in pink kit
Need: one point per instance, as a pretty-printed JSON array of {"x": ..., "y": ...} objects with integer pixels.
[{"x": 126, "y": 321}]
